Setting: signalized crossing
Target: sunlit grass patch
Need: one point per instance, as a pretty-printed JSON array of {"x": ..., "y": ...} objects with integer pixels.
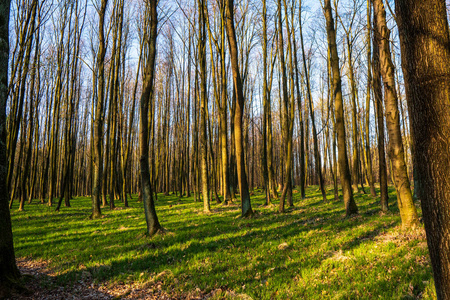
[{"x": 312, "y": 251}]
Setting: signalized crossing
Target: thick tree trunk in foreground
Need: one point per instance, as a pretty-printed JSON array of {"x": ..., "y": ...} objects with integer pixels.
[
  {"x": 9, "y": 274},
  {"x": 240, "y": 104},
  {"x": 344, "y": 170},
  {"x": 151, "y": 218},
  {"x": 406, "y": 206},
  {"x": 425, "y": 46}
]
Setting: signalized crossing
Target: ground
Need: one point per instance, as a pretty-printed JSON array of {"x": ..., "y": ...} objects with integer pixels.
[{"x": 311, "y": 252}]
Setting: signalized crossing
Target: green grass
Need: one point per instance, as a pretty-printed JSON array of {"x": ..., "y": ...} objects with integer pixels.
[{"x": 328, "y": 256}]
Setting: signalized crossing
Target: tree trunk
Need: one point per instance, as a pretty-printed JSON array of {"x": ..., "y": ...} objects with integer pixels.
[
  {"x": 266, "y": 108},
  {"x": 300, "y": 117},
  {"x": 99, "y": 116},
  {"x": 9, "y": 274},
  {"x": 368, "y": 156},
  {"x": 151, "y": 218},
  {"x": 223, "y": 120},
  {"x": 425, "y": 47},
  {"x": 240, "y": 104},
  {"x": 406, "y": 206},
  {"x": 382, "y": 165},
  {"x": 317, "y": 157},
  {"x": 203, "y": 104},
  {"x": 285, "y": 119},
  {"x": 344, "y": 170}
]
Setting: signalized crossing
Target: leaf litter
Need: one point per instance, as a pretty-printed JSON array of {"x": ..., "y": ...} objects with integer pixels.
[{"x": 40, "y": 280}]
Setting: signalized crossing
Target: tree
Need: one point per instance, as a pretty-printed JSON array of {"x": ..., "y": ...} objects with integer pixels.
[
  {"x": 378, "y": 95},
  {"x": 344, "y": 170},
  {"x": 406, "y": 206},
  {"x": 220, "y": 95},
  {"x": 58, "y": 98},
  {"x": 21, "y": 67},
  {"x": 71, "y": 106},
  {"x": 300, "y": 111},
  {"x": 240, "y": 104},
  {"x": 350, "y": 38},
  {"x": 151, "y": 218},
  {"x": 368, "y": 156},
  {"x": 267, "y": 155},
  {"x": 266, "y": 106},
  {"x": 311, "y": 111},
  {"x": 9, "y": 274},
  {"x": 287, "y": 107},
  {"x": 202, "y": 15},
  {"x": 99, "y": 115},
  {"x": 425, "y": 49}
]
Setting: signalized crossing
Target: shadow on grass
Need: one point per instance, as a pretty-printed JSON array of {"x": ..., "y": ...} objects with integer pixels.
[{"x": 215, "y": 250}]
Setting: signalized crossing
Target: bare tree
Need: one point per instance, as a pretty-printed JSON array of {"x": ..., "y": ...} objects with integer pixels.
[
  {"x": 99, "y": 115},
  {"x": 202, "y": 15},
  {"x": 406, "y": 206},
  {"x": 344, "y": 170},
  {"x": 240, "y": 104},
  {"x": 151, "y": 218}
]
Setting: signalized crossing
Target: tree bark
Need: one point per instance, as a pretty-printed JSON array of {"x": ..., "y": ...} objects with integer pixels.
[
  {"x": 99, "y": 117},
  {"x": 425, "y": 48},
  {"x": 406, "y": 206},
  {"x": 285, "y": 111},
  {"x": 376, "y": 85},
  {"x": 317, "y": 157},
  {"x": 9, "y": 274},
  {"x": 368, "y": 156},
  {"x": 151, "y": 218},
  {"x": 240, "y": 104},
  {"x": 344, "y": 170},
  {"x": 203, "y": 103},
  {"x": 266, "y": 108}
]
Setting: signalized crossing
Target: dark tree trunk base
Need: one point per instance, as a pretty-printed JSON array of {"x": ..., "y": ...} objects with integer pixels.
[
  {"x": 95, "y": 216},
  {"x": 12, "y": 287}
]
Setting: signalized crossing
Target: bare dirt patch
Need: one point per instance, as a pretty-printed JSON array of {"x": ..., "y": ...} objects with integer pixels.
[{"x": 41, "y": 280}]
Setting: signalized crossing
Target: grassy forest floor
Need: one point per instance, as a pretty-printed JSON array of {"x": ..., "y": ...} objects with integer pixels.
[{"x": 310, "y": 252}]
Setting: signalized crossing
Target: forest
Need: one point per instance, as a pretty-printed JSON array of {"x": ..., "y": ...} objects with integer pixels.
[{"x": 221, "y": 149}]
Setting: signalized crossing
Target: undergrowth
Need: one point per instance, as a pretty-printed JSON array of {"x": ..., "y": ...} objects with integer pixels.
[{"x": 310, "y": 252}]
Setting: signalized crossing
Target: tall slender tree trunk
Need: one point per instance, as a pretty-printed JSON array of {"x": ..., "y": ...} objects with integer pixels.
[
  {"x": 99, "y": 117},
  {"x": 317, "y": 157},
  {"x": 203, "y": 103},
  {"x": 300, "y": 116},
  {"x": 405, "y": 202},
  {"x": 223, "y": 119},
  {"x": 368, "y": 156},
  {"x": 355, "y": 145},
  {"x": 285, "y": 119},
  {"x": 344, "y": 170},
  {"x": 188, "y": 120},
  {"x": 333, "y": 135},
  {"x": 376, "y": 85},
  {"x": 151, "y": 218},
  {"x": 266, "y": 108},
  {"x": 238, "y": 115}
]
